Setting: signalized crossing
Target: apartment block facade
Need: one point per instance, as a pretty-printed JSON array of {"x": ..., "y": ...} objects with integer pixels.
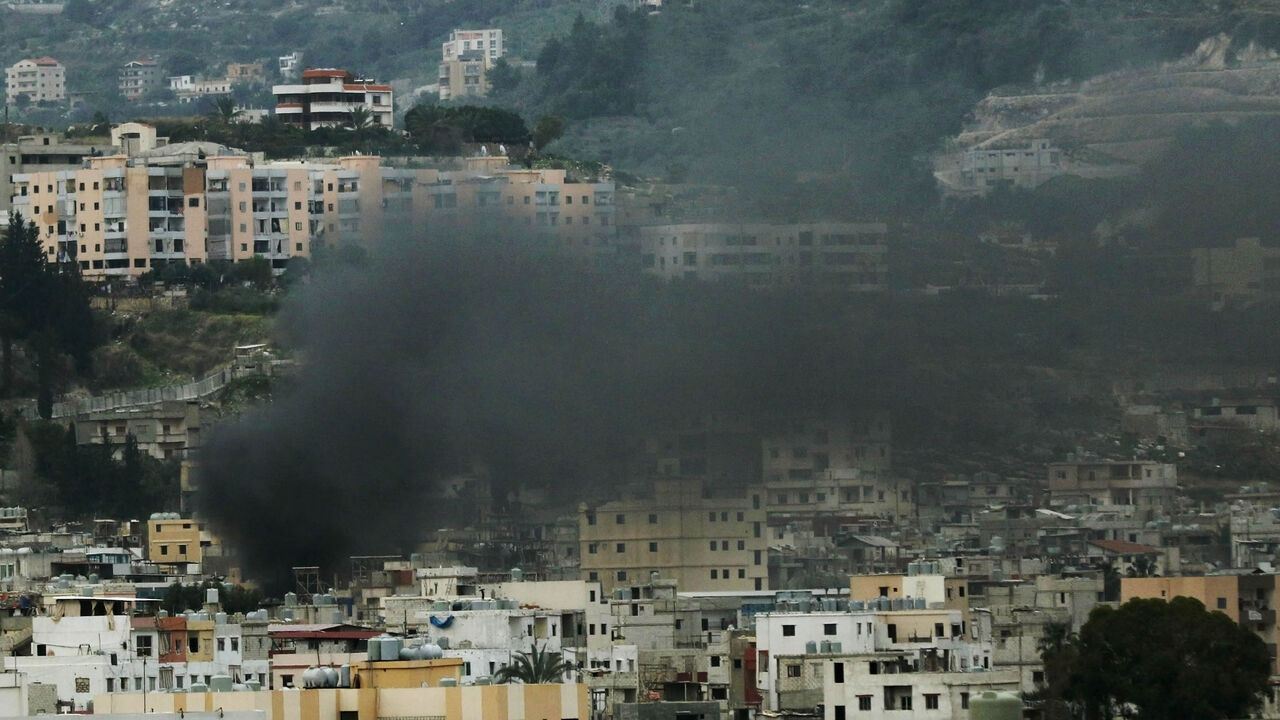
[
  {"x": 40, "y": 79},
  {"x": 702, "y": 541},
  {"x": 844, "y": 256},
  {"x": 328, "y": 97},
  {"x": 120, "y": 216},
  {"x": 465, "y": 60},
  {"x": 139, "y": 77}
]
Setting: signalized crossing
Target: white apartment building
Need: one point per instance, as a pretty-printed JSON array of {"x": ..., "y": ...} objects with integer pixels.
[
  {"x": 876, "y": 663},
  {"x": 328, "y": 97},
  {"x": 486, "y": 42},
  {"x": 38, "y": 79},
  {"x": 838, "y": 256}
]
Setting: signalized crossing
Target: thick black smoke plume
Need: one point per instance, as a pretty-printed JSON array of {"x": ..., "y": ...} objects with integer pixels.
[{"x": 433, "y": 361}]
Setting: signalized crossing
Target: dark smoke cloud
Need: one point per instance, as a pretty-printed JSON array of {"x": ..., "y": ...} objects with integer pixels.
[{"x": 433, "y": 361}]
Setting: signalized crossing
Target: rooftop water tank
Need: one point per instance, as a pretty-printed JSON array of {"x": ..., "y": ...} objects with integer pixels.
[
  {"x": 375, "y": 649},
  {"x": 330, "y": 677},
  {"x": 810, "y": 647},
  {"x": 313, "y": 677},
  {"x": 290, "y": 598},
  {"x": 484, "y": 680},
  {"x": 211, "y": 596},
  {"x": 517, "y": 575},
  {"x": 220, "y": 618},
  {"x": 824, "y": 647},
  {"x": 253, "y": 685},
  {"x": 220, "y": 683},
  {"x": 199, "y": 687},
  {"x": 344, "y": 676},
  {"x": 408, "y": 653},
  {"x": 448, "y": 682},
  {"x": 431, "y": 651},
  {"x": 443, "y": 642},
  {"x": 992, "y": 705}
]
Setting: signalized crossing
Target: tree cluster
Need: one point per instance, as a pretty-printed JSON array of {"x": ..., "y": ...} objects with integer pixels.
[
  {"x": 1150, "y": 659},
  {"x": 46, "y": 305},
  {"x": 74, "y": 481},
  {"x": 443, "y": 130}
]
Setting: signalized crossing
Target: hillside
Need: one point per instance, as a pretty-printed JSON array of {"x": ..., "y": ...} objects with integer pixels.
[{"x": 1133, "y": 115}]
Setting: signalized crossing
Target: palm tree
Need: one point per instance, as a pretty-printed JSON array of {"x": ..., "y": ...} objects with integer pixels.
[
  {"x": 535, "y": 667},
  {"x": 361, "y": 118},
  {"x": 224, "y": 110}
]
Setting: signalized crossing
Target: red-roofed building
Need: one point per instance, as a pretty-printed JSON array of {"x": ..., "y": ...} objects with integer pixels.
[
  {"x": 40, "y": 79},
  {"x": 1126, "y": 556},
  {"x": 328, "y": 97}
]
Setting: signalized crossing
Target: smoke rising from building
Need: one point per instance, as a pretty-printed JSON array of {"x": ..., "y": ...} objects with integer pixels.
[{"x": 431, "y": 363}]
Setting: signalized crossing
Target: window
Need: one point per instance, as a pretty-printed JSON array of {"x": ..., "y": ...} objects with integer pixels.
[
  {"x": 622, "y": 575},
  {"x": 591, "y": 518},
  {"x": 742, "y": 573},
  {"x": 787, "y": 630},
  {"x": 1222, "y": 603},
  {"x": 964, "y": 701},
  {"x": 653, "y": 518},
  {"x": 742, "y": 544},
  {"x": 793, "y": 670},
  {"x": 191, "y": 202},
  {"x": 622, "y": 547},
  {"x": 829, "y": 629},
  {"x": 620, "y": 519},
  {"x": 713, "y": 574},
  {"x": 864, "y": 702},
  {"x": 837, "y": 674},
  {"x": 711, "y": 517},
  {"x": 930, "y": 701},
  {"x": 839, "y": 712},
  {"x": 591, "y": 548},
  {"x": 653, "y": 547},
  {"x": 741, "y": 517},
  {"x": 712, "y": 546},
  {"x": 593, "y": 575}
]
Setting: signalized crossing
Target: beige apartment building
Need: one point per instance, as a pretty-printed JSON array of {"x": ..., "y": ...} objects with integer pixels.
[
  {"x": 120, "y": 216},
  {"x": 40, "y": 79},
  {"x": 172, "y": 539},
  {"x": 1145, "y": 486},
  {"x": 465, "y": 60},
  {"x": 843, "y": 256},
  {"x": 702, "y": 540}
]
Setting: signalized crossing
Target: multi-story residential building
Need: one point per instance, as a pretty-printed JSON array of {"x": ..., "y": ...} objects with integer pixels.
[
  {"x": 876, "y": 663},
  {"x": 1248, "y": 598},
  {"x": 196, "y": 202},
  {"x": 1146, "y": 486},
  {"x": 174, "y": 540},
  {"x": 839, "y": 256},
  {"x": 1242, "y": 274},
  {"x": 40, "y": 79},
  {"x": 465, "y": 60},
  {"x": 163, "y": 430},
  {"x": 487, "y": 42},
  {"x": 1259, "y": 414},
  {"x": 978, "y": 171},
  {"x": 246, "y": 73},
  {"x": 328, "y": 97},
  {"x": 289, "y": 66},
  {"x": 43, "y": 153},
  {"x": 702, "y": 540},
  {"x": 139, "y": 77}
]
